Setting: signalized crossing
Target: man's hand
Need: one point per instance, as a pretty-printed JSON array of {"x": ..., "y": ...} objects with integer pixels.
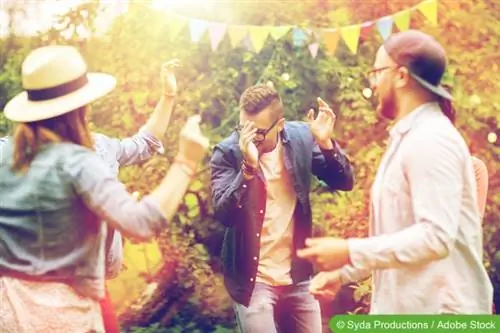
[
  {"x": 325, "y": 285},
  {"x": 167, "y": 76},
  {"x": 247, "y": 147},
  {"x": 326, "y": 253},
  {"x": 322, "y": 126}
]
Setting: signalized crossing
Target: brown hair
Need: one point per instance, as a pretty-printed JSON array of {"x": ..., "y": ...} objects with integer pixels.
[
  {"x": 447, "y": 107},
  {"x": 30, "y": 137},
  {"x": 257, "y": 98}
]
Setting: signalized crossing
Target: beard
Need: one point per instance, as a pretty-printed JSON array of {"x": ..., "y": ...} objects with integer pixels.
[{"x": 387, "y": 105}]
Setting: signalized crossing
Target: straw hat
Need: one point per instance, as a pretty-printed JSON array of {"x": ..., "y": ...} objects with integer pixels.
[{"x": 56, "y": 82}]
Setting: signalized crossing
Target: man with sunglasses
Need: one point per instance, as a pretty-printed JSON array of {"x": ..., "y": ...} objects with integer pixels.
[
  {"x": 261, "y": 176},
  {"x": 425, "y": 253}
]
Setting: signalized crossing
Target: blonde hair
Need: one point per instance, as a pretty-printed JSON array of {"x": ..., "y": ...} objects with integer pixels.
[{"x": 30, "y": 137}]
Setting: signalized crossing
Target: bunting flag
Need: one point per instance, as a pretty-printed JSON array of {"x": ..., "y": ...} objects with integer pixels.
[
  {"x": 331, "y": 40},
  {"x": 384, "y": 26},
  {"x": 254, "y": 37},
  {"x": 216, "y": 32},
  {"x": 351, "y": 37},
  {"x": 313, "y": 49},
  {"x": 236, "y": 34},
  {"x": 366, "y": 30},
  {"x": 429, "y": 10},
  {"x": 299, "y": 37},
  {"x": 402, "y": 20},
  {"x": 280, "y": 31},
  {"x": 258, "y": 36},
  {"x": 197, "y": 28}
]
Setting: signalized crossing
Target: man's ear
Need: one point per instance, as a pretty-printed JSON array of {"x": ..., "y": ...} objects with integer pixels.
[
  {"x": 281, "y": 124},
  {"x": 402, "y": 77}
]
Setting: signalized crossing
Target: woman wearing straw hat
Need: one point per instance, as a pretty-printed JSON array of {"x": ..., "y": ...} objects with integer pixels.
[{"x": 55, "y": 190}]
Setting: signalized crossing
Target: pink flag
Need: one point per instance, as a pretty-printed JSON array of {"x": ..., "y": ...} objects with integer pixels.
[
  {"x": 313, "y": 48},
  {"x": 216, "y": 32}
]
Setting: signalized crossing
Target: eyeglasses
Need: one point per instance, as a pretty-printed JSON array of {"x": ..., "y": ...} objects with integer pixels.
[
  {"x": 260, "y": 134},
  {"x": 373, "y": 74}
]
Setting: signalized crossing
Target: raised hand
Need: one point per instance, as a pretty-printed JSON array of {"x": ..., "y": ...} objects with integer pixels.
[
  {"x": 167, "y": 76},
  {"x": 322, "y": 126},
  {"x": 247, "y": 147},
  {"x": 193, "y": 145}
]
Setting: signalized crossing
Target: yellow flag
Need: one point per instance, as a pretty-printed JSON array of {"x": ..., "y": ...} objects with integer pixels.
[
  {"x": 331, "y": 40},
  {"x": 236, "y": 34},
  {"x": 279, "y": 32},
  {"x": 175, "y": 26},
  {"x": 429, "y": 10},
  {"x": 351, "y": 36},
  {"x": 402, "y": 20},
  {"x": 258, "y": 36}
]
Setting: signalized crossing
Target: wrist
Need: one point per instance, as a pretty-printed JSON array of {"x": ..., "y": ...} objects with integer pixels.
[
  {"x": 249, "y": 171},
  {"x": 189, "y": 167},
  {"x": 326, "y": 144}
]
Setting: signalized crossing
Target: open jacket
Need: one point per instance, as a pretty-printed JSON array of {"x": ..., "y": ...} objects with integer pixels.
[{"x": 240, "y": 205}]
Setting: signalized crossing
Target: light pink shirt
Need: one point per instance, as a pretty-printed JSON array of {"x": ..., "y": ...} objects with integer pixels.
[{"x": 426, "y": 250}]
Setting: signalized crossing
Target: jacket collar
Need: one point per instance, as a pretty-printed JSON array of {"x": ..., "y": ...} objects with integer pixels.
[{"x": 407, "y": 122}]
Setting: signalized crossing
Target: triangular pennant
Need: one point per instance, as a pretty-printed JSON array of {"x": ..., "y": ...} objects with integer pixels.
[
  {"x": 197, "y": 28},
  {"x": 299, "y": 37},
  {"x": 331, "y": 40},
  {"x": 429, "y": 10},
  {"x": 175, "y": 26},
  {"x": 216, "y": 32},
  {"x": 402, "y": 20},
  {"x": 317, "y": 34},
  {"x": 366, "y": 30},
  {"x": 313, "y": 48},
  {"x": 384, "y": 26},
  {"x": 350, "y": 35},
  {"x": 258, "y": 36},
  {"x": 279, "y": 32},
  {"x": 236, "y": 34}
]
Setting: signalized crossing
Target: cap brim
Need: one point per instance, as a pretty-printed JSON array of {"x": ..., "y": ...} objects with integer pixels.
[
  {"x": 438, "y": 90},
  {"x": 21, "y": 109}
]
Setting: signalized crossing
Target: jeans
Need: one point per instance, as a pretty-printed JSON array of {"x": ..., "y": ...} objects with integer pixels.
[{"x": 284, "y": 309}]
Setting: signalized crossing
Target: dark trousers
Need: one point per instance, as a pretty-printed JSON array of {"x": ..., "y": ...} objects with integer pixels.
[{"x": 109, "y": 315}]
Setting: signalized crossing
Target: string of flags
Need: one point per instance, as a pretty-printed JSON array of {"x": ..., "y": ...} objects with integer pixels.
[{"x": 254, "y": 37}]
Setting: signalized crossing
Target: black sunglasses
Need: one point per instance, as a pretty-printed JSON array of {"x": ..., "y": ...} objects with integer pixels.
[{"x": 260, "y": 134}]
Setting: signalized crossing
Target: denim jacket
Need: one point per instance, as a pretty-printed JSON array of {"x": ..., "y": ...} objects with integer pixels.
[
  {"x": 117, "y": 153},
  {"x": 47, "y": 216},
  {"x": 240, "y": 204}
]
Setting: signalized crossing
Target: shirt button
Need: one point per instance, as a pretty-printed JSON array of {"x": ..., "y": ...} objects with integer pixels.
[
  {"x": 261, "y": 211},
  {"x": 240, "y": 206},
  {"x": 258, "y": 235},
  {"x": 251, "y": 279},
  {"x": 244, "y": 185},
  {"x": 254, "y": 258}
]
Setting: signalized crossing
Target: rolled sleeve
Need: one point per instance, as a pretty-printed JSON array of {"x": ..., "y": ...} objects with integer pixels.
[
  {"x": 434, "y": 168},
  {"x": 138, "y": 148},
  {"x": 229, "y": 188},
  {"x": 109, "y": 200}
]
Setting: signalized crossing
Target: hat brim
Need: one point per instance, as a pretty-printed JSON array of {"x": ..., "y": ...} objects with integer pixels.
[
  {"x": 21, "y": 109},
  {"x": 438, "y": 90}
]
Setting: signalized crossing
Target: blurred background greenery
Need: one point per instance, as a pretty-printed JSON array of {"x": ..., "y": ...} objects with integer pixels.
[{"x": 175, "y": 284}]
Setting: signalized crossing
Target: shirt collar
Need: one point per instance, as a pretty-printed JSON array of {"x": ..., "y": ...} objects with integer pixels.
[{"x": 405, "y": 123}]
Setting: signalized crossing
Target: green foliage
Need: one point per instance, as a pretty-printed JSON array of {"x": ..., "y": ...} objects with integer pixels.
[{"x": 211, "y": 83}]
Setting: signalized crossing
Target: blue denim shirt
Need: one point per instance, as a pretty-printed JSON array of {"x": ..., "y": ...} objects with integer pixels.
[
  {"x": 240, "y": 204},
  {"x": 46, "y": 216}
]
